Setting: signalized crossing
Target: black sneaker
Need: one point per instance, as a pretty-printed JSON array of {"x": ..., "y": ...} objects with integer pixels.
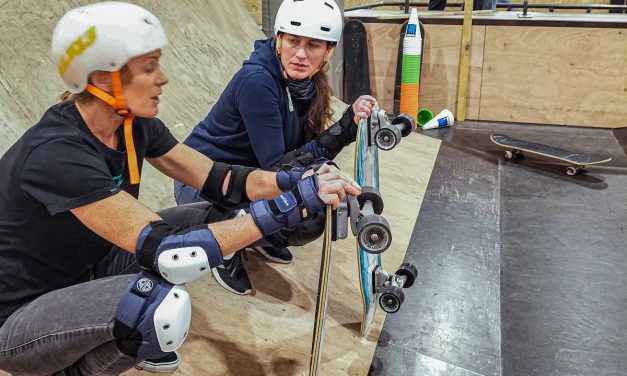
[
  {"x": 232, "y": 275},
  {"x": 278, "y": 254},
  {"x": 168, "y": 363}
]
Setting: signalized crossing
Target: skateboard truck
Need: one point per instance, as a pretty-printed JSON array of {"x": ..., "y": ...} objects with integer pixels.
[
  {"x": 390, "y": 286},
  {"x": 363, "y": 212},
  {"x": 339, "y": 225},
  {"x": 385, "y": 134}
]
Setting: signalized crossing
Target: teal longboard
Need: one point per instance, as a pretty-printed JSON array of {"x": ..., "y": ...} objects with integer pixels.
[
  {"x": 371, "y": 229},
  {"x": 516, "y": 148}
]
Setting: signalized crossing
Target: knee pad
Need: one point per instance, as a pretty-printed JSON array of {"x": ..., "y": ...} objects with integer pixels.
[
  {"x": 298, "y": 235},
  {"x": 152, "y": 318}
]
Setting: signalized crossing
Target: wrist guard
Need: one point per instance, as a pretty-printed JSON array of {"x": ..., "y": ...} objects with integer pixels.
[
  {"x": 286, "y": 210},
  {"x": 340, "y": 134},
  {"x": 288, "y": 175}
]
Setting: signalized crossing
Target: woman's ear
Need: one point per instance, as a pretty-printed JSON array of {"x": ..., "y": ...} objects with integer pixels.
[
  {"x": 330, "y": 51},
  {"x": 101, "y": 80},
  {"x": 277, "y": 44}
]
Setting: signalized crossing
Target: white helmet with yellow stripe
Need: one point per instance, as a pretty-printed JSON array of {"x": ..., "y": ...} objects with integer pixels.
[{"x": 102, "y": 37}]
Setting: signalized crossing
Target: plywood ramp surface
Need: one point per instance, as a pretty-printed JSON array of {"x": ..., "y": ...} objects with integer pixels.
[
  {"x": 265, "y": 334},
  {"x": 270, "y": 333},
  {"x": 208, "y": 41}
]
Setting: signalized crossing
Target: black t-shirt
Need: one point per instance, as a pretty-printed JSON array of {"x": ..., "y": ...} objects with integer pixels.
[{"x": 58, "y": 165}]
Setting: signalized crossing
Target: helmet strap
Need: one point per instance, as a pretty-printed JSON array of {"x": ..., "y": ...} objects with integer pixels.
[{"x": 118, "y": 102}]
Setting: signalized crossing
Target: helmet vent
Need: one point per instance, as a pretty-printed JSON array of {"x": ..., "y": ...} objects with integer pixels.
[
  {"x": 324, "y": 28},
  {"x": 295, "y": 23},
  {"x": 329, "y": 5},
  {"x": 146, "y": 20}
]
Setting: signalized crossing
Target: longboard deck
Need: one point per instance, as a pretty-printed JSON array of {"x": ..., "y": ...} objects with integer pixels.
[
  {"x": 322, "y": 300},
  {"x": 356, "y": 69},
  {"x": 548, "y": 151},
  {"x": 366, "y": 174}
]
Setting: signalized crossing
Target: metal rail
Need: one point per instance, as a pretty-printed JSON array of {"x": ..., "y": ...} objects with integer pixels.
[{"x": 551, "y": 7}]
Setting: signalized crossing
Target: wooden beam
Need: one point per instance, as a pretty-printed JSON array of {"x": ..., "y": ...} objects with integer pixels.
[{"x": 464, "y": 62}]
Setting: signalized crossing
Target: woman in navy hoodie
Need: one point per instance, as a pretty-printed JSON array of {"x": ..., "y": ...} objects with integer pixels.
[{"x": 274, "y": 111}]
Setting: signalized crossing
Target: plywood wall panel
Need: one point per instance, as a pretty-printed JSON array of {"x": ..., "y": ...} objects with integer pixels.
[
  {"x": 569, "y": 76},
  {"x": 440, "y": 67}
]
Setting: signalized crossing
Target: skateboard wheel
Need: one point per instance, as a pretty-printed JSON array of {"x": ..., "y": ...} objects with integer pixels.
[
  {"x": 410, "y": 273},
  {"x": 371, "y": 194},
  {"x": 571, "y": 171},
  {"x": 391, "y": 299},
  {"x": 387, "y": 138},
  {"x": 408, "y": 123},
  {"x": 373, "y": 234},
  {"x": 511, "y": 154}
]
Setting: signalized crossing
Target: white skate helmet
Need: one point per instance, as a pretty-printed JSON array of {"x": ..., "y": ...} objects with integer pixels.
[
  {"x": 318, "y": 19},
  {"x": 102, "y": 37}
]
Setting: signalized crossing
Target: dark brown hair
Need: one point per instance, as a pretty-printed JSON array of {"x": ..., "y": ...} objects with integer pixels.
[{"x": 319, "y": 113}]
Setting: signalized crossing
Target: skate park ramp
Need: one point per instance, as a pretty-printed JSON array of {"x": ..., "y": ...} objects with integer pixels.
[
  {"x": 268, "y": 333},
  {"x": 208, "y": 40}
]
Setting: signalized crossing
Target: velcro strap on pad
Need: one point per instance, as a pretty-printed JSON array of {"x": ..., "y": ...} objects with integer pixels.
[
  {"x": 212, "y": 189},
  {"x": 148, "y": 242},
  {"x": 287, "y": 176},
  {"x": 308, "y": 189},
  {"x": 266, "y": 220},
  {"x": 236, "y": 191}
]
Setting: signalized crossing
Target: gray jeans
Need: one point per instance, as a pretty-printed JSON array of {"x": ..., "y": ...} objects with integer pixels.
[{"x": 70, "y": 331}]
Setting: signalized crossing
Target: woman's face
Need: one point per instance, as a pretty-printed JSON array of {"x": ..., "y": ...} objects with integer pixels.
[
  {"x": 143, "y": 90},
  {"x": 301, "y": 57}
]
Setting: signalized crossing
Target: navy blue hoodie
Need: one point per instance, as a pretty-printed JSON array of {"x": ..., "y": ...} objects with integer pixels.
[{"x": 255, "y": 121}]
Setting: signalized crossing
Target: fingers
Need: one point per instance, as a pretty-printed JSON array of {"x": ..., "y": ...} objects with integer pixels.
[
  {"x": 338, "y": 175},
  {"x": 331, "y": 199},
  {"x": 308, "y": 173},
  {"x": 363, "y": 106},
  {"x": 335, "y": 191},
  {"x": 326, "y": 168}
]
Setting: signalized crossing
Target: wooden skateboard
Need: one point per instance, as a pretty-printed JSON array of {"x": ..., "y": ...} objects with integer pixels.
[
  {"x": 516, "y": 148},
  {"x": 321, "y": 302},
  {"x": 356, "y": 70}
]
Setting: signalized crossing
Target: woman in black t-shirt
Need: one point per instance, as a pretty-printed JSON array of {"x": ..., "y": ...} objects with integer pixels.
[{"x": 86, "y": 270}]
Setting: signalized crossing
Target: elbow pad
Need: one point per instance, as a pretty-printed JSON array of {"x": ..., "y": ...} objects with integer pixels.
[
  {"x": 236, "y": 190},
  {"x": 286, "y": 210},
  {"x": 178, "y": 256},
  {"x": 339, "y": 135}
]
